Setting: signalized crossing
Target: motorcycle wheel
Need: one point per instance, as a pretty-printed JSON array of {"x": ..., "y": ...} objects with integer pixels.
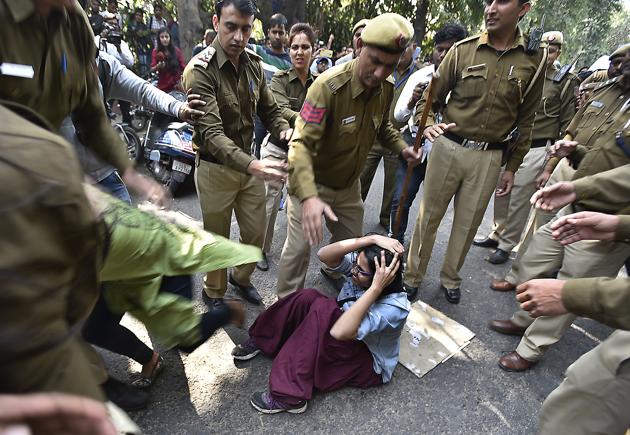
[
  {"x": 138, "y": 123},
  {"x": 134, "y": 146}
]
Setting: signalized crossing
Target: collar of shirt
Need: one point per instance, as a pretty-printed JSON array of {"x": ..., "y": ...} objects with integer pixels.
[
  {"x": 400, "y": 79},
  {"x": 357, "y": 85},
  {"x": 518, "y": 41},
  {"x": 23, "y": 9},
  {"x": 222, "y": 57},
  {"x": 293, "y": 75}
]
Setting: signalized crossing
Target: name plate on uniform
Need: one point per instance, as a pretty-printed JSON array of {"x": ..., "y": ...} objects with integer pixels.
[
  {"x": 348, "y": 120},
  {"x": 17, "y": 70}
]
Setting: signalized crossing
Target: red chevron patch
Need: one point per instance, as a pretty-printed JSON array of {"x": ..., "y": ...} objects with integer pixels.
[{"x": 311, "y": 114}]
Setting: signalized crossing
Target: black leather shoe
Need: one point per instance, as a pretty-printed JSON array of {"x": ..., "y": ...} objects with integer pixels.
[
  {"x": 486, "y": 243},
  {"x": 498, "y": 257},
  {"x": 211, "y": 302},
  {"x": 127, "y": 398},
  {"x": 412, "y": 292},
  {"x": 452, "y": 294},
  {"x": 247, "y": 292},
  {"x": 263, "y": 264}
]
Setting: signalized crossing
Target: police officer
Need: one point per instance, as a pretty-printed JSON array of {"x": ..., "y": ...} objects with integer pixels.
[
  {"x": 51, "y": 246},
  {"x": 584, "y": 130},
  {"x": 594, "y": 396},
  {"x": 47, "y": 52},
  {"x": 585, "y": 258},
  {"x": 403, "y": 71},
  {"x": 345, "y": 109},
  {"x": 356, "y": 34},
  {"x": 495, "y": 83},
  {"x": 231, "y": 81},
  {"x": 554, "y": 113}
]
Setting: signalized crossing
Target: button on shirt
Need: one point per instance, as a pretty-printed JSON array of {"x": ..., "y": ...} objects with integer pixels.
[{"x": 382, "y": 325}]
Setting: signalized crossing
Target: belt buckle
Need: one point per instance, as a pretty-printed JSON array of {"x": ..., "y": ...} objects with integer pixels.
[{"x": 474, "y": 145}]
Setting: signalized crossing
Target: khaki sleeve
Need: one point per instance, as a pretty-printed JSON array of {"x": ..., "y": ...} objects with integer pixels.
[
  {"x": 567, "y": 108},
  {"x": 606, "y": 191},
  {"x": 623, "y": 232},
  {"x": 279, "y": 91},
  {"x": 268, "y": 110},
  {"x": 603, "y": 299},
  {"x": 525, "y": 123},
  {"x": 210, "y": 125},
  {"x": 307, "y": 140},
  {"x": 89, "y": 116},
  {"x": 443, "y": 82}
]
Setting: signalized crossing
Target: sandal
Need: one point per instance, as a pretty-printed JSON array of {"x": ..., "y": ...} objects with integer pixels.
[{"x": 146, "y": 382}]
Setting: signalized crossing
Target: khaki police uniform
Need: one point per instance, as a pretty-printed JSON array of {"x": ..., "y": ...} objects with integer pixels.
[
  {"x": 390, "y": 159},
  {"x": 48, "y": 65},
  {"x": 289, "y": 92},
  {"x": 51, "y": 244},
  {"x": 585, "y": 258},
  {"x": 223, "y": 142},
  {"x": 490, "y": 94},
  {"x": 556, "y": 109},
  {"x": 338, "y": 123}
]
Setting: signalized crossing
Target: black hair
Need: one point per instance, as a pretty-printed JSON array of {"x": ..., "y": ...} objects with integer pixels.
[
  {"x": 450, "y": 32},
  {"x": 170, "y": 56},
  {"x": 158, "y": 5},
  {"x": 305, "y": 28},
  {"x": 278, "y": 20},
  {"x": 371, "y": 251},
  {"x": 245, "y": 7}
]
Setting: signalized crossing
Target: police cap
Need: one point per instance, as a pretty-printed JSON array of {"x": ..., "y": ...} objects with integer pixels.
[
  {"x": 359, "y": 24},
  {"x": 621, "y": 51},
  {"x": 553, "y": 37},
  {"x": 389, "y": 32}
]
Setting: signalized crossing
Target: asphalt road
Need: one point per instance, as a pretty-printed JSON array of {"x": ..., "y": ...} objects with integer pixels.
[{"x": 207, "y": 392}]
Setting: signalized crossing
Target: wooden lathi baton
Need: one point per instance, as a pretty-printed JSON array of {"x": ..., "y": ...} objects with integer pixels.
[{"x": 416, "y": 147}]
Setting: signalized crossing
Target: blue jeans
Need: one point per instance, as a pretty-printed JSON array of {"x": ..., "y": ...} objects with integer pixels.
[
  {"x": 417, "y": 176},
  {"x": 115, "y": 186}
]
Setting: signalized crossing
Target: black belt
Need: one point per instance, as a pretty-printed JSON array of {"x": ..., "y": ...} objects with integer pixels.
[
  {"x": 478, "y": 144},
  {"x": 209, "y": 158},
  {"x": 539, "y": 143}
]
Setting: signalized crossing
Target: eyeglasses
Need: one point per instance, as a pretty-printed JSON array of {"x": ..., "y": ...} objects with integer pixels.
[{"x": 356, "y": 270}]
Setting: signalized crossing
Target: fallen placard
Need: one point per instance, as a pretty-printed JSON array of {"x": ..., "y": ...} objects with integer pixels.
[{"x": 430, "y": 338}]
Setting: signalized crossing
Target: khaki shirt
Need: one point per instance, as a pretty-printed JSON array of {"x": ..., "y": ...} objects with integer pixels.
[
  {"x": 606, "y": 191},
  {"x": 557, "y": 106},
  {"x": 603, "y": 299},
  {"x": 487, "y": 92},
  {"x": 233, "y": 98},
  {"x": 337, "y": 126},
  {"x": 49, "y": 66},
  {"x": 290, "y": 93},
  {"x": 610, "y": 140},
  {"x": 51, "y": 246},
  {"x": 399, "y": 85}
]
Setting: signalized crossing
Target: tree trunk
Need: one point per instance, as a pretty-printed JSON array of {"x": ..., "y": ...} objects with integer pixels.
[
  {"x": 190, "y": 26},
  {"x": 420, "y": 23}
]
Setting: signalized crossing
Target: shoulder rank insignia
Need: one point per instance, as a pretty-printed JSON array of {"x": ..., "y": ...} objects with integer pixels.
[
  {"x": 204, "y": 58},
  {"x": 311, "y": 114},
  {"x": 252, "y": 53}
]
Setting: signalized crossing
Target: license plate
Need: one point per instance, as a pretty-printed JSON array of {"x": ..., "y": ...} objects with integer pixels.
[{"x": 181, "y": 167}]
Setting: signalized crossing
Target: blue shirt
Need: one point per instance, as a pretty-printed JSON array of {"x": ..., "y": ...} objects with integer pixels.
[{"x": 381, "y": 327}]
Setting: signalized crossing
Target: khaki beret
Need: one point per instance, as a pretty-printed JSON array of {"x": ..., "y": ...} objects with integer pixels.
[
  {"x": 553, "y": 37},
  {"x": 359, "y": 24},
  {"x": 390, "y": 32},
  {"x": 621, "y": 51}
]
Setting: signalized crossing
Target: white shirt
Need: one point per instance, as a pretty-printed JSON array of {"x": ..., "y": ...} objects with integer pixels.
[{"x": 124, "y": 56}]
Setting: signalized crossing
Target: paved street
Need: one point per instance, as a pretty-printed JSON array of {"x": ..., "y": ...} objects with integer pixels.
[{"x": 207, "y": 392}]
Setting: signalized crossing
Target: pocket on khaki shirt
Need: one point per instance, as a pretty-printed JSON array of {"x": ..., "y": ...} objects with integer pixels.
[{"x": 473, "y": 83}]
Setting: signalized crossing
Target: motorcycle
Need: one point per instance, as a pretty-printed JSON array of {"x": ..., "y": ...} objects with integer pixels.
[
  {"x": 130, "y": 138},
  {"x": 171, "y": 158}
]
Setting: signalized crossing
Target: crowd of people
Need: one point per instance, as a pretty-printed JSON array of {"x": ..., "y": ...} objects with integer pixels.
[{"x": 492, "y": 114}]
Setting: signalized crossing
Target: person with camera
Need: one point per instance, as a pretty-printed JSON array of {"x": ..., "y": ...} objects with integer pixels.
[
  {"x": 168, "y": 61},
  {"x": 324, "y": 343}
]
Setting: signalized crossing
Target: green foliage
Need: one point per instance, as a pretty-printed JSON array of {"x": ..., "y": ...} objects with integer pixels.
[{"x": 592, "y": 28}]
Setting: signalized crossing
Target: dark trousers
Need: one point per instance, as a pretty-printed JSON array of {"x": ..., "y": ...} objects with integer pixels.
[
  {"x": 417, "y": 177},
  {"x": 295, "y": 332},
  {"x": 103, "y": 329}
]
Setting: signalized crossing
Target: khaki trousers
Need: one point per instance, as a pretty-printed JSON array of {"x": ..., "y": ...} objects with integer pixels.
[
  {"x": 222, "y": 190},
  {"x": 469, "y": 177},
  {"x": 511, "y": 212},
  {"x": 390, "y": 163},
  {"x": 273, "y": 191},
  {"x": 562, "y": 172},
  {"x": 347, "y": 206},
  {"x": 594, "y": 398},
  {"x": 583, "y": 259}
]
